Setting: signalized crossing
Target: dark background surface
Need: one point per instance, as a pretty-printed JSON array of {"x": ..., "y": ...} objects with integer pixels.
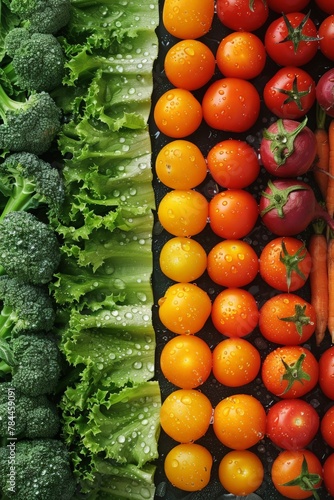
[{"x": 205, "y": 139}]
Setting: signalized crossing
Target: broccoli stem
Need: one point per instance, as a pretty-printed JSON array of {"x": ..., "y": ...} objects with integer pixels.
[
  {"x": 6, "y": 322},
  {"x": 20, "y": 199},
  {"x": 7, "y": 104},
  {"x": 4, "y": 368}
]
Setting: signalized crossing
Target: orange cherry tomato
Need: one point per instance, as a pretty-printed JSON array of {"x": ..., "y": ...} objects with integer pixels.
[
  {"x": 241, "y": 472},
  {"x": 186, "y": 361},
  {"x": 232, "y": 263},
  {"x": 189, "y": 64},
  {"x": 241, "y": 54},
  {"x": 188, "y": 466},
  {"x": 236, "y": 362},
  {"x": 234, "y": 312},
  {"x": 177, "y": 113},
  {"x": 185, "y": 415},
  {"x": 184, "y": 19},
  {"x": 180, "y": 164},
  {"x": 184, "y": 308},
  {"x": 183, "y": 212},
  {"x": 239, "y": 421}
]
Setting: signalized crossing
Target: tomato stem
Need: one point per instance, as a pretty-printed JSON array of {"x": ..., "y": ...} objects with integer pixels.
[{"x": 282, "y": 141}]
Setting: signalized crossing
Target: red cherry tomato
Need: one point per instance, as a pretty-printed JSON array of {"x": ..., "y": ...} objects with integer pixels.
[
  {"x": 326, "y": 35},
  {"x": 231, "y": 104},
  {"x": 233, "y": 213},
  {"x": 292, "y": 423},
  {"x": 326, "y": 372},
  {"x": 327, "y": 426},
  {"x": 227, "y": 162},
  {"x": 290, "y": 371},
  {"x": 292, "y": 40},
  {"x": 287, "y": 5},
  {"x": 242, "y": 15},
  {"x": 290, "y": 93},
  {"x": 328, "y": 468}
]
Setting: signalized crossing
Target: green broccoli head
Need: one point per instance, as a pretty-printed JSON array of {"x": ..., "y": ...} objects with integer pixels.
[
  {"x": 37, "y": 60},
  {"x": 29, "y": 249},
  {"x": 38, "y": 364},
  {"x": 25, "y": 416},
  {"x": 42, "y": 468},
  {"x": 28, "y": 181},
  {"x": 42, "y": 16},
  {"x": 30, "y": 125},
  {"x": 26, "y": 308}
]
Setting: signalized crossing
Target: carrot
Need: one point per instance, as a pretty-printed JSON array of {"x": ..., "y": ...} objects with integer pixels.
[
  {"x": 330, "y": 266},
  {"x": 321, "y": 166},
  {"x": 319, "y": 279},
  {"x": 330, "y": 186}
]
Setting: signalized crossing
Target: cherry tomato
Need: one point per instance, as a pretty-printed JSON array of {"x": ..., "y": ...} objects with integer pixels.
[
  {"x": 182, "y": 259},
  {"x": 232, "y": 263},
  {"x": 326, "y": 35},
  {"x": 233, "y": 213},
  {"x": 188, "y": 466},
  {"x": 239, "y": 421},
  {"x": 292, "y": 40},
  {"x": 242, "y": 15},
  {"x": 180, "y": 164},
  {"x": 186, "y": 361},
  {"x": 183, "y": 212},
  {"x": 290, "y": 93},
  {"x": 326, "y": 5},
  {"x": 302, "y": 466},
  {"x": 241, "y": 55},
  {"x": 287, "y": 5},
  {"x": 184, "y": 308},
  {"x": 326, "y": 372},
  {"x": 231, "y": 104},
  {"x": 328, "y": 475},
  {"x": 292, "y": 423},
  {"x": 189, "y": 64},
  {"x": 236, "y": 362},
  {"x": 241, "y": 472},
  {"x": 233, "y": 164},
  {"x": 177, "y": 113},
  {"x": 327, "y": 426},
  {"x": 188, "y": 20},
  {"x": 185, "y": 415},
  {"x": 285, "y": 263},
  {"x": 290, "y": 371},
  {"x": 287, "y": 319},
  {"x": 234, "y": 312}
]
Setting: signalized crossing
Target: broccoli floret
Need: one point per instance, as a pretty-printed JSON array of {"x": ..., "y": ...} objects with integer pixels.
[
  {"x": 26, "y": 417},
  {"x": 29, "y": 249},
  {"x": 28, "y": 181},
  {"x": 34, "y": 362},
  {"x": 42, "y": 16},
  {"x": 29, "y": 125},
  {"x": 37, "y": 60},
  {"x": 42, "y": 471},
  {"x": 26, "y": 308}
]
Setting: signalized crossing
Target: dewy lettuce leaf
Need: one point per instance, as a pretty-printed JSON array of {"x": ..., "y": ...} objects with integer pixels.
[
  {"x": 103, "y": 291},
  {"x": 99, "y": 21}
]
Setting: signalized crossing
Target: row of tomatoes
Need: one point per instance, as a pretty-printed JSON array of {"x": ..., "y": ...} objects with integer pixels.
[{"x": 290, "y": 371}]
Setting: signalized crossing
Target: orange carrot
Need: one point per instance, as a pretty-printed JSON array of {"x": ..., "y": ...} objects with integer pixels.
[
  {"x": 321, "y": 167},
  {"x": 330, "y": 186},
  {"x": 319, "y": 279},
  {"x": 330, "y": 267}
]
